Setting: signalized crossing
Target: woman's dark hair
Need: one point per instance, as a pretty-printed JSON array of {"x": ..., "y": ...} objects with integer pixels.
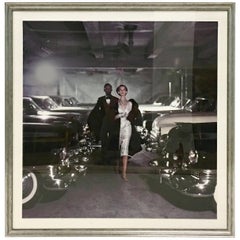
[{"x": 122, "y": 85}]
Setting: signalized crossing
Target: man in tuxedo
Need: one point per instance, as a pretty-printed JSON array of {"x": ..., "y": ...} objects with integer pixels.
[{"x": 101, "y": 119}]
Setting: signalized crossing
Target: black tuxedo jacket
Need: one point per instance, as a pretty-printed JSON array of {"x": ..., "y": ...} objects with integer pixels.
[{"x": 103, "y": 112}]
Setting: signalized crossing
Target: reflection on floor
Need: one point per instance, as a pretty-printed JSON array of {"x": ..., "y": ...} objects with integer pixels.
[{"x": 103, "y": 194}]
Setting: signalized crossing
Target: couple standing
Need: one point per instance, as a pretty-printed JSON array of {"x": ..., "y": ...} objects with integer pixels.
[{"x": 113, "y": 121}]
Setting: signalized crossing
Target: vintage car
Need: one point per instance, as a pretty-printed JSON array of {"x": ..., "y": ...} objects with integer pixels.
[
  {"x": 34, "y": 113},
  {"x": 162, "y": 125},
  {"x": 160, "y": 106},
  {"x": 197, "y": 105},
  {"x": 48, "y": 104},
  {"x": 187, "y": 159},
  {"x": 50, "y": 162},
  {"x": 40, "y": 138},
  {"x": 163, "y": 100},
  {"x": 65, "y": 101},
  {"x": 197, "y": 110},
  {"x": 201, "y": 104},
  {"x": 73, "y": 134}
]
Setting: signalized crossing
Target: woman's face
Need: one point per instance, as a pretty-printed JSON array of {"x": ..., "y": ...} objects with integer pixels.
[{"x": 122, "y": 91}]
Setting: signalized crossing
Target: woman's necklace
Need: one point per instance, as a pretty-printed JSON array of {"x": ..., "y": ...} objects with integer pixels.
[{"x": 123, "y": 102}]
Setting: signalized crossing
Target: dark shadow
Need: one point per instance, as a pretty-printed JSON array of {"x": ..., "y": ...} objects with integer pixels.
[
  {"x": 50, "y": 196},
  {"x": 177, "y": 199}
]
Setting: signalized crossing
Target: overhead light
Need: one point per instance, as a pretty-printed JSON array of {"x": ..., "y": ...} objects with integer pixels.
[
  {"x": 97, "y": 53},
  {"x": 47, "y": 51},
  {"x": 152, "y": 56},
  {"x": 139, "y": 69},
  {"x": 45, "y": 72},
  {"x": 130, "y": 28},
  {"x": 155, "y": 53}
]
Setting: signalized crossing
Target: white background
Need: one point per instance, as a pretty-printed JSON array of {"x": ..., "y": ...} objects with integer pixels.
[{"x": 2, "y": 119}]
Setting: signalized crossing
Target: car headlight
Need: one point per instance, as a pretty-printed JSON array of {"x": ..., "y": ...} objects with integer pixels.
[
  {"x": 175, "y": 157},
  {"x": 149, "y": 149},
  {"x": 163, "y": 141},
  {"x": 193, "y": 157},
  {"x": 70, "y": 153},
  {"x": 76, "y": 151},
  {"x": 85, "y": 159},
  {"x": 143, "y": 133},
  {"x": 63, "y": 153},
  {"x": 155, "y": 133},
  {"x": 153, "y": 163},
  {"x": 68, "y": 123},
  {"x": 83, "y": 141},
  {"x": 139, "y": 129}
]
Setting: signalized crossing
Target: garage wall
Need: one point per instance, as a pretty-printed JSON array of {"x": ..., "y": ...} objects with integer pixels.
[{"x": 87, "y": 87}]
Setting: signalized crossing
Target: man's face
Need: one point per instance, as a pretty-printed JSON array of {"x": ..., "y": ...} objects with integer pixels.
[{"x": 108, "y": 90}]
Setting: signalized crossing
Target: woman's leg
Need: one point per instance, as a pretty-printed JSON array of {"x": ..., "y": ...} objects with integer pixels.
[{"x": 124, "y": 170}]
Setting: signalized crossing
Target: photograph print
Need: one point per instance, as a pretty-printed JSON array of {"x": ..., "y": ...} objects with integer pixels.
[
  {"x": 169, "y": 70},
  {"x": 120, "y": 122}
]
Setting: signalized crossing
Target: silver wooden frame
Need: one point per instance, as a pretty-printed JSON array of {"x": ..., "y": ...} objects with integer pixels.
[{"x": 10, "y": 8}]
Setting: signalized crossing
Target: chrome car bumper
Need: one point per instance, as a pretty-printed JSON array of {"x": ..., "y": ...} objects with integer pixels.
[
  {"x": 197, "y": 184},
  {"x": 59, "y": 178}
]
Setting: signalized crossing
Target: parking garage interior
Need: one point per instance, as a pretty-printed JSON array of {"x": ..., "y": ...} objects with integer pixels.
[
  {"x": 74, "y": 58},
  {"x": 160, "y": 58}
]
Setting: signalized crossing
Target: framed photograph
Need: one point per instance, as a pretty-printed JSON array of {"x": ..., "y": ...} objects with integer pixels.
[{"x": 120, "y": 119}]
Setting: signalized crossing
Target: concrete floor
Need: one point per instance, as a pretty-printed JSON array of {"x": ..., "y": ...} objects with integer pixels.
[{"x": 103, "y": 194}]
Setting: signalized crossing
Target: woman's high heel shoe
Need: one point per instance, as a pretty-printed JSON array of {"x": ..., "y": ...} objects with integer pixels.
[{"x": 124, "y": 177}]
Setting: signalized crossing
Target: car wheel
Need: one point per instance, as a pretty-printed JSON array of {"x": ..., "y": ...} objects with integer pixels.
[{"x": 30, "y": 188}]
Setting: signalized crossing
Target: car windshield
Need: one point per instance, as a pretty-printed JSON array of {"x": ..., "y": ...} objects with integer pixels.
[
  {"x": 57, "y": 100},
  {"x": 46, "y": 103},
  {"x": 161, "y": 100},
  {"x": 199, "y": 105},
  {"x": 65, "y": 101},
  {"x": 30, "y": 107},
  {"x": 201, "y": 136},
  {"x": 73, "y": 101},
  {"x": 164, "y": 100}
]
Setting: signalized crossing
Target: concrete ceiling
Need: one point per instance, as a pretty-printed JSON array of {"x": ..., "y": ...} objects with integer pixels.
[{"x": 102, "y": 46}]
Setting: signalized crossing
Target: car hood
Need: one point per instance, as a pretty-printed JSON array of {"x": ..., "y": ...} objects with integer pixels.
[
  {"x": 56, "y": 113},
  {"x": 157, "y": 108},
  {"x": 42, "y": 118},
  {"x": 73, "y": 109},
  {"x": 167, "y": 122}
]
